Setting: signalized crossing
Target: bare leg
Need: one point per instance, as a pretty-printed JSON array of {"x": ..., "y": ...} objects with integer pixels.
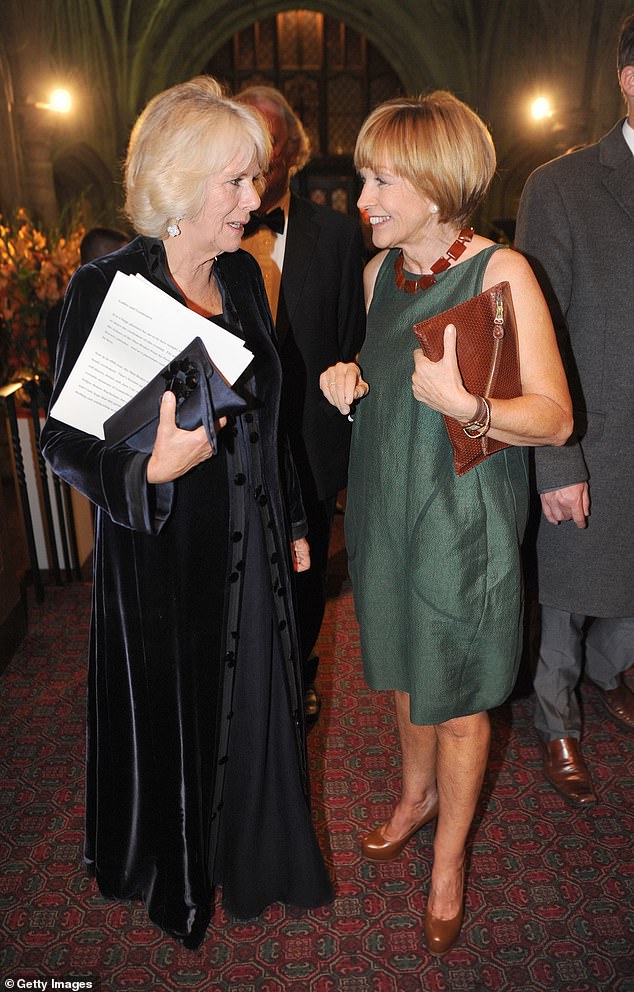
[
  {"x": 418, "y": 790},
  {"x": 463, "y": 748}
]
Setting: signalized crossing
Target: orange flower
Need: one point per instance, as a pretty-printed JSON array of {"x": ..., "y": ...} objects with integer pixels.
[{"x": 34, "y": 272}]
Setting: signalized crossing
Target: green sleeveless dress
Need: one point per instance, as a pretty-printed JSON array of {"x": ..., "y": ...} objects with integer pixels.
[{"x": 434, "y": 558}]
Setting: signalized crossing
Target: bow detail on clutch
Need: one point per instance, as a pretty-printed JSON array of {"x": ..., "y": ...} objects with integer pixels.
[
  {"x": 202, "y": 398},
  {"x": 181, "y": 378}
]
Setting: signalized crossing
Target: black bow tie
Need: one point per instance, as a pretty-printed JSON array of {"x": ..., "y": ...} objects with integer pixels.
[{"x": 274, "y": 219}]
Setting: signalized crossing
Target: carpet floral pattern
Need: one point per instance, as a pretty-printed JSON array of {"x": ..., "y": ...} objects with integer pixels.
[{"x": 550, "y": 887}]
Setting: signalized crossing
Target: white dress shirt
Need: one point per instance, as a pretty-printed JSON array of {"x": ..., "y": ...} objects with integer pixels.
[{"x": 628, "y": 134}]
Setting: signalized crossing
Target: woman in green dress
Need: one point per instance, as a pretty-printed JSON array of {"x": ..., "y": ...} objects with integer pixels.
[{"x": 435, "y": 557}]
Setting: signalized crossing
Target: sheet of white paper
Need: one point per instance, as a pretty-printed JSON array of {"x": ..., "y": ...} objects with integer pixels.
[
  {"x": 138, "y": 331},
  {"x": 229, "y": 348}
]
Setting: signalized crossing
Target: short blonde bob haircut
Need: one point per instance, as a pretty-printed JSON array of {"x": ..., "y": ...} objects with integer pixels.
[
  {"x": 183, "y": 136},
  {"x": 435, "y": 142}
]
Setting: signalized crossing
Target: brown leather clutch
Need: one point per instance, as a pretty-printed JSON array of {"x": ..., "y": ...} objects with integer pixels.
[{"x": 488, "y": 358}]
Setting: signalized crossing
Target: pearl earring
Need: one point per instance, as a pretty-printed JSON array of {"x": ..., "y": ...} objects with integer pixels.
[
  {"x": 173, "y": 229},
  {"x": 434, "y": 208}
]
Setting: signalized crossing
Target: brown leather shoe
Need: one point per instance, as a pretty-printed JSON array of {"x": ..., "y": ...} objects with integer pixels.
[
  {"x": 377, "y": 848},
  {"x": 565, "y": 768},
  {"x": 441, "y": 935},
  {"x": 619, "y": 703}
]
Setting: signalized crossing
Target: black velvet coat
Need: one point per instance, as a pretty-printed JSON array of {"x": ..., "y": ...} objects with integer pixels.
[{"x": 168, "y": 565}]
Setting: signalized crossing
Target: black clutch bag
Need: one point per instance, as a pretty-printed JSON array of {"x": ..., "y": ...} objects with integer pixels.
[{"x": 202, "y": 396}]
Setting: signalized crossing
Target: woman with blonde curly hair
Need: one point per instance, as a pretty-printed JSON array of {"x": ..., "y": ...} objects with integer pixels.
[{"x": 196, "y": 765}]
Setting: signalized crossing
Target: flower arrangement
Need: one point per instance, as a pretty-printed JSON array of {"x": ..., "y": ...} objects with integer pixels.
[{"x": 34, "y": 272}]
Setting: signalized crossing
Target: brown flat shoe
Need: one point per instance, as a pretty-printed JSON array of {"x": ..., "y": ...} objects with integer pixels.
[
  {"x": 619, "y": 703},
  {"x": 566, "y": 770},
  {"x": 377, "y": 848}
]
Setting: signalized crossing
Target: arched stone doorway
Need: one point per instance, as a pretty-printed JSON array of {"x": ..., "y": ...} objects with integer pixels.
[{"x": 397, "y": 31}]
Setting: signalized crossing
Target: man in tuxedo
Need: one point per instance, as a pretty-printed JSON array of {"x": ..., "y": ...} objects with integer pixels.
[
  {"x": 312, "y": 262},
  {"x": 576, "y": 225}
]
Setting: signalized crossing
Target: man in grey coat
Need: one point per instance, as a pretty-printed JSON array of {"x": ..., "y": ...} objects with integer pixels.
[{"x": 576, "y": 224}]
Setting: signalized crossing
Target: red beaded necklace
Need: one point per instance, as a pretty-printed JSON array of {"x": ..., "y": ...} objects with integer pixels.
[{"x": 427, "y": 280}]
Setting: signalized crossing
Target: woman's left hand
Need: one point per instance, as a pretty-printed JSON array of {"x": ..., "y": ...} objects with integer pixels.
[
  {"x": 342, "y": 385},
  {"x": 301, "y": 555},
  {"x": 440, "y": 385}
]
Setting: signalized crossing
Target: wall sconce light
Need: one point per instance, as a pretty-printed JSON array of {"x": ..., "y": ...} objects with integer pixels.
[
  {"x": 541, "y": 108},
  {"x": 60, "y": 101}
]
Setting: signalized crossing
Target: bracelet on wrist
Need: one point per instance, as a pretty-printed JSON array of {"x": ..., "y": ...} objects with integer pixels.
[
  {"x": 481, "y": 424},
  {"x": 479, "y": 417}
]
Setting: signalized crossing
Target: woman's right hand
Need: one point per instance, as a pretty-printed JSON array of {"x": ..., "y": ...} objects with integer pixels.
[
  {"x": 342, "y": 384},
  {"x": 176, "y": 451}
]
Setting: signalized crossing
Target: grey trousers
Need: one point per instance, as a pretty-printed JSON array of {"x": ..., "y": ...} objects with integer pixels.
[{"x": 567, "y": 640}]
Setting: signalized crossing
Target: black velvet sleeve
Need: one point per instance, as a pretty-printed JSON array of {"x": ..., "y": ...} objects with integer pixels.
[
  {"x": 298, "y": 523},
  {"x": 112, "y": 478}
]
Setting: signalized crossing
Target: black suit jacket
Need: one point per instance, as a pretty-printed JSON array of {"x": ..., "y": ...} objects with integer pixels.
[{"x": 320, "y": 321}]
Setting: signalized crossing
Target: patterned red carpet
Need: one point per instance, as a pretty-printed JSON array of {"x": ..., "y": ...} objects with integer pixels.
[{"x": 551, "y": 888}]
